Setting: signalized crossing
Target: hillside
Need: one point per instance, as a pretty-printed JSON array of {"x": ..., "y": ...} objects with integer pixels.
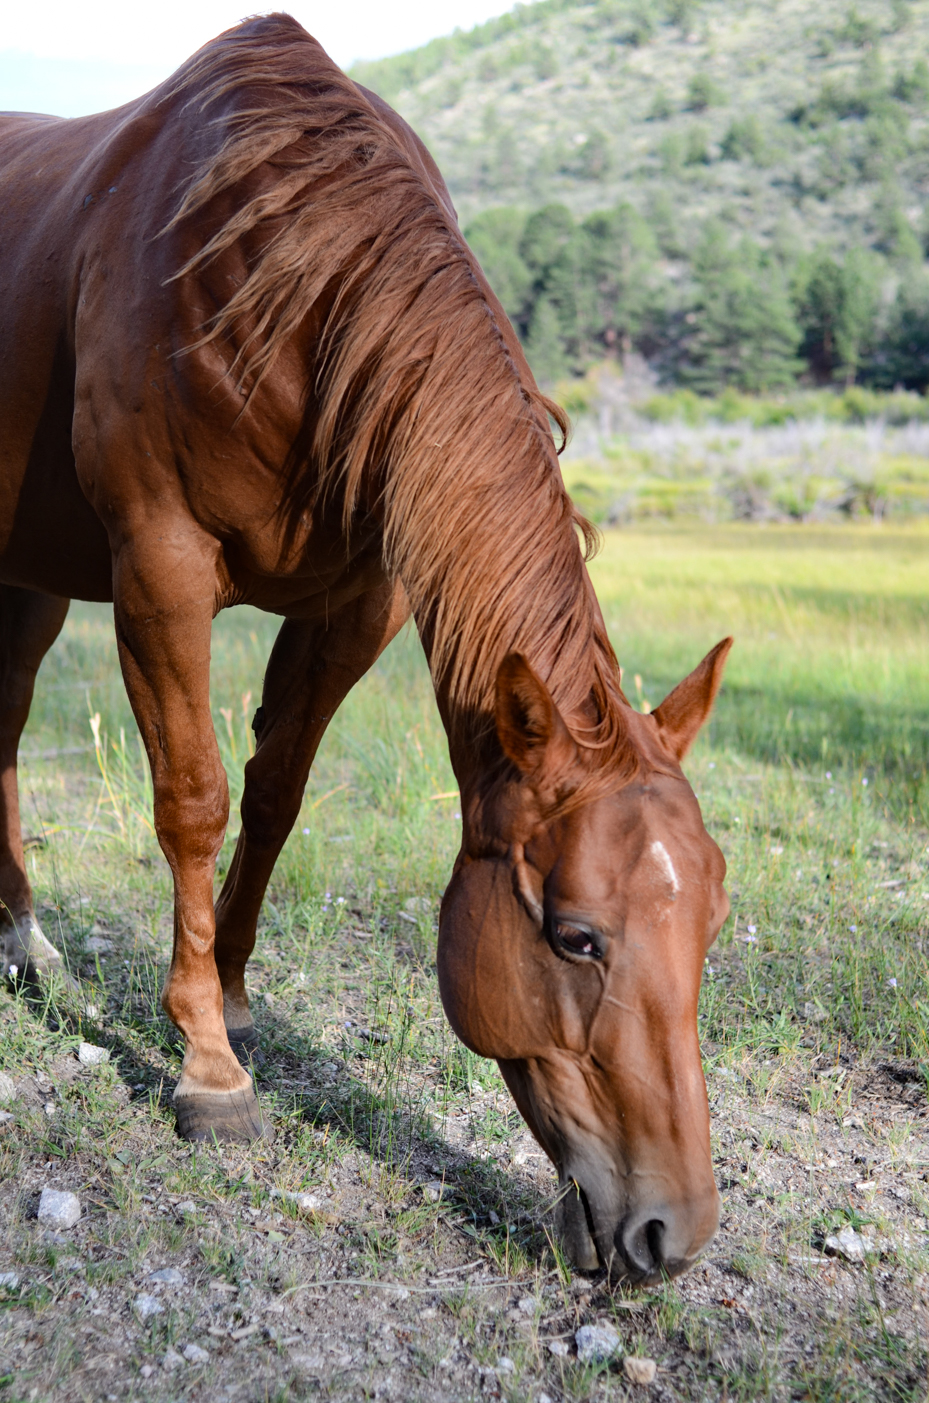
[
  {"x": 735, "y": 189},
  {"x": 810, "y": 122}
]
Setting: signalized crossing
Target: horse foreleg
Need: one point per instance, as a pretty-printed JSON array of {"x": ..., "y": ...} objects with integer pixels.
[
  {"x": 29, "y": 624},
  {"x": 163, "y": 610},
  {"x": 311, "y": 669}
]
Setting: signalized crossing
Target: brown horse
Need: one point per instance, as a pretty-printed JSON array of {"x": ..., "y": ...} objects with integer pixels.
[{"x": 246, "y": 355}]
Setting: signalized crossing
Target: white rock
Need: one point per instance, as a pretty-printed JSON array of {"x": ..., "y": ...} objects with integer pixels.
[
  {"x": 848, "y": 1244},
  {"x": 92, "y": 1011},
  {"x": 303, "y": 1202},
  {"x": 596, "y": 1343},
  {"x": 172, "y": 1360},
  {"x": 196, "y": 1354},
  {"x": 146, "y": 1371},
  {"x": 638, "y": 1370},
  {"x": 545, "y": 1398},
  {"x": 6, "y": 1116},
  {"x": 187, "y": 1207},
  {"x": 7, "y": 1089},
  {"x": 9, "y": 1280},
  {"x": 148, "y": 1305},
  {"x": 90, "y": 1055},
  {"x": 435, "y": 1192},
  {"x": 170, "y": 1276},
  {"x": 97, "y": 945},
  {"x": 505, "y": 1365},
  {"x": 528, "y": 1305},
  {"x": 559, "y": 1348},
  {"x": 58, "y": 1208}
]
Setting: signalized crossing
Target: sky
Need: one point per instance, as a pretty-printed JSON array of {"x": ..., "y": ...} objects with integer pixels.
[{"x": 71, "y": 57}]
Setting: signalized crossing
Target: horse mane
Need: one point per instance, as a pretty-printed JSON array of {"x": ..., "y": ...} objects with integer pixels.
[{"x": 419, "y": 407}]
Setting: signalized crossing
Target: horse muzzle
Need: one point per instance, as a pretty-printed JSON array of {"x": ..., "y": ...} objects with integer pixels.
[{"x": 647, "y": 1242}]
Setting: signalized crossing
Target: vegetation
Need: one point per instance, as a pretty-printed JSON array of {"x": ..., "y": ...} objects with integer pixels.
[
  {"x": 813, "y": 776},
  {"x": 732, "y": 187}
]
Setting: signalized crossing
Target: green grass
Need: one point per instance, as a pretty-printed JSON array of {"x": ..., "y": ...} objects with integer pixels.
[{"x": 814, "y": 1016}]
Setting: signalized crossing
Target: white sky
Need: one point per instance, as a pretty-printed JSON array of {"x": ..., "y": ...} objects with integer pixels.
[{"x": 72, "y": 56}]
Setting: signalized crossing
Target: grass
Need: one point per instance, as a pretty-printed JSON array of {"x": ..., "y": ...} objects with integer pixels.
[{"x": 431, "y": 1198}]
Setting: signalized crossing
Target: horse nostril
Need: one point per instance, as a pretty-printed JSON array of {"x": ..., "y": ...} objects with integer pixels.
[{"x": 641, "y": 1246}]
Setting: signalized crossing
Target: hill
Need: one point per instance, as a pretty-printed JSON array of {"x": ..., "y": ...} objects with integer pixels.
[
  {"x": 778, "y": 113},
  {"x": 736, "y": 188}
]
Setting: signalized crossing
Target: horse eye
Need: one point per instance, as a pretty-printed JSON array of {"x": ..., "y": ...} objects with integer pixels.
[{"x": 579, "y": 942}]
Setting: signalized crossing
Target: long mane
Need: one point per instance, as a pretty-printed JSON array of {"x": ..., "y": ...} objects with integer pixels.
[{"x": 417, "y": 406}]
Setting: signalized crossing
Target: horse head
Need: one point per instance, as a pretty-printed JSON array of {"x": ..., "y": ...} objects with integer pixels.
[{"x": 571, "y": 946}]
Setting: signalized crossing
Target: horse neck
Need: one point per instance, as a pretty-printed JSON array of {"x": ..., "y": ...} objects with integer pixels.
[{"x": 555, "y": 623}]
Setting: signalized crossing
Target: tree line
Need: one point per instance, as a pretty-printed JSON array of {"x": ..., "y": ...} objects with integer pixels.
[{"x": 728, "y": 312}]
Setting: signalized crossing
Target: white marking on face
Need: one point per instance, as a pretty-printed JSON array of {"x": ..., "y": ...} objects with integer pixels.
[{"x": 663, "y": 858}]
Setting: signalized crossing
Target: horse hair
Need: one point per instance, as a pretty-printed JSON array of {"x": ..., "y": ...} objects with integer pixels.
[{"x": 417, "y": 410}]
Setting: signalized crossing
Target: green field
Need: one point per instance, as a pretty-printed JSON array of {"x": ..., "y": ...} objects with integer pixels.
[{"x": 814, "y": 778}]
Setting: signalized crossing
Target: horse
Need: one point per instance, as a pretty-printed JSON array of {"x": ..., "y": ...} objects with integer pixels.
[{"x": 247, "y": 356}]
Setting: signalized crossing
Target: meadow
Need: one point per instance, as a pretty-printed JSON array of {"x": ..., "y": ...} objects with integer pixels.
[{"x": 422, "y": 1264}]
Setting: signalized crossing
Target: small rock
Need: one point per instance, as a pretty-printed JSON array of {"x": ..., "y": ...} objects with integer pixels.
[
  {"x": 147, "y": 1306},
  {"x": 172, "y": 1360},
  {"x": 6, "y": 1116},
  {"x": 98, "y": 945},
  {"x": 91, "y": 1011},
  {"x": 559, "y": 1348},
  {"x": 196, "y": 1354},
  {"x": 544, "y": 1398},
  {"x": 9, "y": 1280},
  {"x": 638, "y": 1370},
  {"x": 146, "y": 1371},
  {"x": 187, "y": 1206},
  {"x": 7, "y": 1089},
  {"x": 528, "y": 1305},
  {"x": 435, "y": 1192},
  {"x": 418, "y": 905},
  {"x": 304, "y": 1202},
  {"x": 170, "y": 1276},
  {"x": 505, "y": 1365},
  {"x": 89, "y": 1055},
  {"x": 814, "y": 1014},
  {"x": 596, "y": 1343},
  {"x": 58, "y": 1208},
  {"x": 848, "y": 1244}
]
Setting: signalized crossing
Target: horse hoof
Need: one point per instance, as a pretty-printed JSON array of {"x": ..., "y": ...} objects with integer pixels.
[
  {"x": 225, "y": 1116},
  {"x": 244, "y": 1043}
]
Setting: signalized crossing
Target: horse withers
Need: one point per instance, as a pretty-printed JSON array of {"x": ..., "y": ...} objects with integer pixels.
[{"x": 246, "y": 356}]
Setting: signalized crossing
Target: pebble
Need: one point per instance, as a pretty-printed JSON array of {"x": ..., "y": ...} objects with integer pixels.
[
  {"x": 505, "y": 1365},
  {"x": 187, "y": 1207},
  {"x": 7, "y": 1089},
  {"x": 98, "y": 945},
  {"x": 638, "y": 1370},
  {"x": 91, "y": 1011},
  {"x": 170, "y": 1276},
  {"x": 196, "y": 1354},
  {"x": 9, "y": 1280},
  {"x": 848, "y": 1244},
  {"x": 148, "y": 1305},
  {"x": 528, "y": 1305},
  {"x": 303, "y": 1202},
  {"x": 596, "y": 1343},
  {"x": 89, "y": 1055},
  {"x": 146, "y": 1371},
  {"x": 172, "y": 1360},
  {"x": 545, "y": 1398},
  {"x": 6, "y": 1116},
  {"x": 435, "y": 1192},
  {"x": 58, "y": 1208},
  {"x": 558, "y": 1348}
]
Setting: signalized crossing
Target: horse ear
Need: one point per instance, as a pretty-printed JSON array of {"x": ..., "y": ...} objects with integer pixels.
[
  {"x": 529, "y": 725},
  {"x": 684, "y": 710}
]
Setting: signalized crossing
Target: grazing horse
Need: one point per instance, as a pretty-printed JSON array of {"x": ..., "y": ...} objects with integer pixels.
[{"x": 246, "y": 356}]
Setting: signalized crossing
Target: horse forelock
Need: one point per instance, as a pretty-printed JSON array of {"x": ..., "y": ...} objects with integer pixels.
[{"x": 416, "y": 406}]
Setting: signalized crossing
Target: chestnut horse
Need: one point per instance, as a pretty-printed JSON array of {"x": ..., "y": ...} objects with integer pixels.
[{"x": 246, "y": 355}]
